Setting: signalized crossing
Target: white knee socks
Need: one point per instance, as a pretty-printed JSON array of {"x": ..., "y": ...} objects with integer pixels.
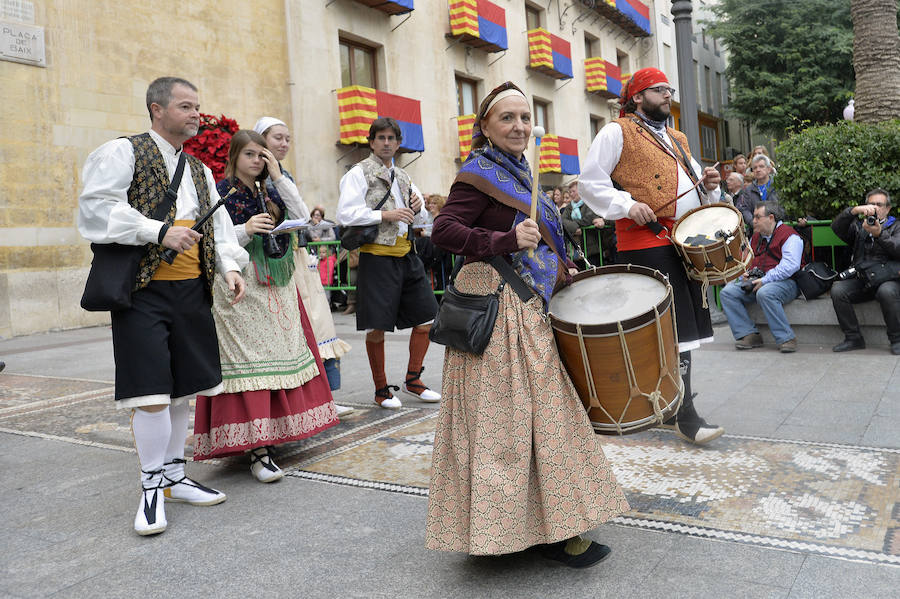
[
  {"x": 152, "y": 432},
  {"x": 178, "y": 416}
]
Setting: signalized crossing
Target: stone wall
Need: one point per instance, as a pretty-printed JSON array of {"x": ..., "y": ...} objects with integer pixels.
[{"x": 100, "y": 58}]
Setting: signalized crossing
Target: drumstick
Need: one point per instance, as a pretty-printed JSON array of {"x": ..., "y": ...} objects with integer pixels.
[
  {"x": 538, "y": 133},
  {"x": 676, "y": 198},
  {"x": 169, "y": 255}
]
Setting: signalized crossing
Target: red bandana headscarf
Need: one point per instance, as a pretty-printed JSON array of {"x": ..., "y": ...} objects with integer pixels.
[{"x": 640, "y": 81}]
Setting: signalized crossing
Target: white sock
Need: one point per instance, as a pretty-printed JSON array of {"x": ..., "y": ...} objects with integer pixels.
[
  {"x": 151, "y": 435},
  {"x": 178, "y": 416}
]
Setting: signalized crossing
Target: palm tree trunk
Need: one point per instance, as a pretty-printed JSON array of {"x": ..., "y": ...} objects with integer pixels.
[{"x": 876, "y": 59}]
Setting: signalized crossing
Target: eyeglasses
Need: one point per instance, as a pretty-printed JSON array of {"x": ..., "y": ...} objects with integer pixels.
[{"x": 662, "y": 89}]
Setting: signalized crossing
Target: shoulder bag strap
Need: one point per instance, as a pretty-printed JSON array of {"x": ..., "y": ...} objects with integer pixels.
[
  {"x": 506, "y": 271},
  {"x": 172, "y": 192},
  {"x": 512, "y": 277},
  {"x": 387, "y": 193}
]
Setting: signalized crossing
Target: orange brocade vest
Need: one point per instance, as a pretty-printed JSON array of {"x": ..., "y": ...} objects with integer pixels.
[{"x": 650, "y": 174}]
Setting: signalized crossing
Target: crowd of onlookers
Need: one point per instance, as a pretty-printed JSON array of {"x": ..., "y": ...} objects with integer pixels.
[{"x": 749, "y": 185}]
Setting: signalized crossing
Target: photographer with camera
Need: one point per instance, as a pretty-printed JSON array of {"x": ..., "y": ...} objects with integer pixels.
[
  {"x": 778, "y": 254},
  {"x": 875, "y": 240}
]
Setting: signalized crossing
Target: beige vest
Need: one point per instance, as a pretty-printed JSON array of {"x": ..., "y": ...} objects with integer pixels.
[
  {"x": 378, "y": 179},
  {"x": 645, "y": 170}
]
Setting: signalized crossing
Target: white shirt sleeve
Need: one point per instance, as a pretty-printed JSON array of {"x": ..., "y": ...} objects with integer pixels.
[
  {"x": 229, "y": 253},
  {"x": 104, "y": 215},
  {"x": 716, "y": 194},
  {"x": 287, "y": 189},
  {"x": 352, "y": 209},
  {"x": 422, "y": 215},
  {"x": 595, "y": 185}
]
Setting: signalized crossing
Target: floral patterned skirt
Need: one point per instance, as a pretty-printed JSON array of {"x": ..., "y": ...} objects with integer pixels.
[
  {"x": 261, "y": 413},
  {"x": 516, "y": 462}
]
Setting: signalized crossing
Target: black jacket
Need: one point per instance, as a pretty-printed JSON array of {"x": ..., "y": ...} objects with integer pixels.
[
  {"x": 886, "y": 247},
  {"x": 749, "y": 198}
]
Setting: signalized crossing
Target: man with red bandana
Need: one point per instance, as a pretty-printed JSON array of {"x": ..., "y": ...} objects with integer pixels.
[{"x": 640, "y": 173}]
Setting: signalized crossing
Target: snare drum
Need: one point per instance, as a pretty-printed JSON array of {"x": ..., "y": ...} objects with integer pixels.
[
  {"x": 710, "y": 239},
  {"x": 615, "y": 330}
]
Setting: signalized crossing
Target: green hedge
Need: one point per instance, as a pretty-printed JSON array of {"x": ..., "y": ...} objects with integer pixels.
[{"x": 823, "y": 169}]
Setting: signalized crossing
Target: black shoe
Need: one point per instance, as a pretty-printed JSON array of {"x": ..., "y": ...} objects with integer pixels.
[
  {"x": 593, "y": 555},
  {"x": 851, "y": 344},
  {"x": 698, "y": 432},
  {"x": 669, "y": 422},
  {"x": 895, "y": 349}
]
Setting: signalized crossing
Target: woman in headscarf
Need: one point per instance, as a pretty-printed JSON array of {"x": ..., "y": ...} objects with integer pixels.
[
  {"x": 306, "y": 275},
  {"x": 276, "y": 390},
  {"x": 516, "y": 462}
]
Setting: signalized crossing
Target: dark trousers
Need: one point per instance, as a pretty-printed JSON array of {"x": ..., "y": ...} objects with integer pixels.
[{"x": 852, "y": 291}]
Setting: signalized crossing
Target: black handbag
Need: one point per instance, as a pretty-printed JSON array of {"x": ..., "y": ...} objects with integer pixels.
[
  {"x": 465, "y": 321},
  {"x": 115, "y": 265},
  {"x": 354, "y": 237},
  {"x": 875, "y": 273},
  {"x": 814, "y": 279}
]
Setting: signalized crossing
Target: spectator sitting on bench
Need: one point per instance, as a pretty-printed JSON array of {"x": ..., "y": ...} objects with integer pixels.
[
  {"x": 778, "y": 253},
  {"x": 879, "y": 242}
]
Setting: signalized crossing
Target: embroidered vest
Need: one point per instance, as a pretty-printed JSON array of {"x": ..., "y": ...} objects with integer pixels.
[
  {"x": 645, "y": 170},
  {"x": 147, "y": 190},
  {"x": 768, "y": 258},
  {"x": 378, "y": 179}
]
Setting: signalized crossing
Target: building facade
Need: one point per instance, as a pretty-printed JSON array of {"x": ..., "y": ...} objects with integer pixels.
[{"x": 326, "y": 67}]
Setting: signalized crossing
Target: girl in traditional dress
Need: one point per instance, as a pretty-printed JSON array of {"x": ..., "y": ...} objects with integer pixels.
[
  {"x": 276, "y": 390},
  {"x": 308, "y": 281},
  {"x": 516, "y": 462}
]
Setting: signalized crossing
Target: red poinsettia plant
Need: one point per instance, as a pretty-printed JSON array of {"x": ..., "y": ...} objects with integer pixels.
[{"x": 211, "y": 143}]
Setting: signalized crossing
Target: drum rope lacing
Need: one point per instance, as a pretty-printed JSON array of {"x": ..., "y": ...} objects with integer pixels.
[{"x": 704, "y": 276}]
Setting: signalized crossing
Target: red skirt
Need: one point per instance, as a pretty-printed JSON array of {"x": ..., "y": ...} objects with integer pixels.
[{"x": 232, "y": 423}]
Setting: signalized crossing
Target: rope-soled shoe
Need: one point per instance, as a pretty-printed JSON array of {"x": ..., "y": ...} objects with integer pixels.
[
  {"x": 151, "y": 515},
  {"x": 414, "y": 387},
  {"x": 263, "y": 466},
  {"x": 179, "y": 487},
  {"x": 386, "y": 399}
]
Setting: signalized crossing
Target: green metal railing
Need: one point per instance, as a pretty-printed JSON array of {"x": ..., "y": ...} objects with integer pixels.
[{"x": 822, "y": 237}]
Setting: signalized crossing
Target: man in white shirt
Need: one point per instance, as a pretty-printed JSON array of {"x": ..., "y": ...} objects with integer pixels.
[
  {"x": 392, "y": 289},
  {"x": 639, "y": 172},
  {"x": 165, "y": 345}
]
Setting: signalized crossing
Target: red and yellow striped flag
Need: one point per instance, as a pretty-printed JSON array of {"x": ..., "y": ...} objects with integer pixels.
[
  {"x": 464, "y": 125},
  {"x": 549, "y": 157},
  {"x": 540, "y": 51},
  {"x": 357, "y": 108},
  {"x": 464, "y": 17}
]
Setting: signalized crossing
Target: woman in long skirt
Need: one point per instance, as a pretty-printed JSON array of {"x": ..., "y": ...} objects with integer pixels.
[
  {"x": 516, "y": 462},
  {"x": 276, "y": 390},
  {"x": 306, "y": 276}
]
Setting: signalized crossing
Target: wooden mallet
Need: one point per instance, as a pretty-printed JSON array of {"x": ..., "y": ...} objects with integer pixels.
[{"x": 538, "y": 133}]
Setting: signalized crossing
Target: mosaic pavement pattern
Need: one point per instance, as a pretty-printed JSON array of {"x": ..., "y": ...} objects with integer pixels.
[{"x": 827, "y": 499}]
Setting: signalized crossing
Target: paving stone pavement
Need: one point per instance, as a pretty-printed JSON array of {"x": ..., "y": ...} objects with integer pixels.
[{"x": 800, "y": 498}]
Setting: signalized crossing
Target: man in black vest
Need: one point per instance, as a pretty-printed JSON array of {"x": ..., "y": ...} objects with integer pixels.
[
  {"x": 878, "y": 241},
  {"x": 778, "y": 253},
  {"x": 165, "y": 345}
]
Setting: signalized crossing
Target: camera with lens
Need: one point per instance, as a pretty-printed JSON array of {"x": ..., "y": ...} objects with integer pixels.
[
  {"x": 871, "y": 220},
  {"x": 850, "y": 273},
  {"x": 752, "y": 274}
]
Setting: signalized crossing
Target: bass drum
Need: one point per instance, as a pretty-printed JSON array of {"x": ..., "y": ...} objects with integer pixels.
[{"x": 615, "y": 330}]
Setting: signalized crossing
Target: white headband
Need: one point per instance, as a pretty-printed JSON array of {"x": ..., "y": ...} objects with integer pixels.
[
  {"x": 504, "y": 94},
  {"x": 265, "y": 123}
]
